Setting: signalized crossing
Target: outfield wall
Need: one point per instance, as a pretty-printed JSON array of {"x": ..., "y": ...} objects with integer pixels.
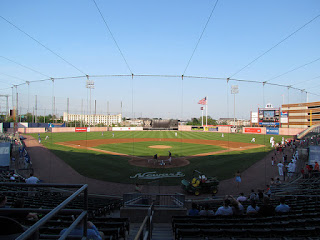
[{"x": 31, "y": 130}]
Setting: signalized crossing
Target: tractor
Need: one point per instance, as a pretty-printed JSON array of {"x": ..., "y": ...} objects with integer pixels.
[{"x": 200, "y": 184}]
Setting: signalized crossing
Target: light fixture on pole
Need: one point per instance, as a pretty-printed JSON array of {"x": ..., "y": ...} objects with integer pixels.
[
  {"x": 234, "y": 91},
  {"x": 89, "y": 85}
]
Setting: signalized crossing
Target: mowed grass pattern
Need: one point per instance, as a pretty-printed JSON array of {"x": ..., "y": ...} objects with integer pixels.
[
  {"x": 117, "y": 169},
  {"x": 177, "y": 149}
]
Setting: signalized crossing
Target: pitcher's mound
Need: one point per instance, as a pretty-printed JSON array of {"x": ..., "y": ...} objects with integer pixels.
[{"x": 160, "y": 146}]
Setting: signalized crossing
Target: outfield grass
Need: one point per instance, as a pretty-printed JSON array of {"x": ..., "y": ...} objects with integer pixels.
[{"x": 117, "y": 169}]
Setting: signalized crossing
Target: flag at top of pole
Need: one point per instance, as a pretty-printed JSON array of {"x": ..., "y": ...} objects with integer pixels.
[{"x": 203, "y": 101}]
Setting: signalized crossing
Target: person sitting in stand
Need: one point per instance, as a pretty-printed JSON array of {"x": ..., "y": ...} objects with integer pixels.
[
  {"x": 282, "y": 207},
  {"x": 206, "y": 211},
  {"x": 266, "y": 209},
  {"x": 225, "y": 210},
  {"x": 194, "y": 210},
  {"x": 92, "y": 231},
  {"x": 242, "y": 198},
  {"x": 19, "y": 203},
  {"x": 252, "y": 208}
]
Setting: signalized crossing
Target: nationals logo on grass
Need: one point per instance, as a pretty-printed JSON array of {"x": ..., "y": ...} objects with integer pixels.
[{"x": 155, "y": 175}]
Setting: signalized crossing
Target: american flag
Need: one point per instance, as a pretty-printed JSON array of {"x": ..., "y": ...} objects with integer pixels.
[{"x": 203, "y": 101}]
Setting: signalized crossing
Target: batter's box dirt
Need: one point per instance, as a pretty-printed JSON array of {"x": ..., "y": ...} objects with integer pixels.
[{"x": 163, "y": 161}]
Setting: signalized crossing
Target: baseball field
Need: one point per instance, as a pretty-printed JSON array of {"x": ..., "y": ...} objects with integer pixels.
[{"x": 122, "y": 156}]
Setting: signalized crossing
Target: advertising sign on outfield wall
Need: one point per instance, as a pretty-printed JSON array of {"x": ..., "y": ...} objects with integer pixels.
[
  {"x": 273, "y": 131},
  {"x": 80, "y": 129},
  {"x": 252, "y": 130},
  {"x": 127, "y": 129},
  {"x": 211, "y": 129}
]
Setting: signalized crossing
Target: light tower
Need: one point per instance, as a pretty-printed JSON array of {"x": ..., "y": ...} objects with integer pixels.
[{"x": 89, "y": 85}]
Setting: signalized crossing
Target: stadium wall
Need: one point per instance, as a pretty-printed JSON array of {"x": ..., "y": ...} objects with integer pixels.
[{"x": 31, "y": 130}]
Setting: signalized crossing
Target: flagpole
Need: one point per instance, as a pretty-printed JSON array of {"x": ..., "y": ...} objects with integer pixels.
[
  {"x": 202, "y": 116},
  {"x": 207, "y": 111}
]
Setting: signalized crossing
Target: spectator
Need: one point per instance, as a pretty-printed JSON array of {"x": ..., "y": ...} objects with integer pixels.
[
  {"x": 272, "y": 181},
  {"x": 282, "y": 208},
  {"x": 32, "y": 179},
  {"x": 3, "y": 201},
  {"x": 268, "y": 191},
  {"x": 92, "y": 231},
  {"x": 266, "y": 209},
  {"x": 316, "y": 166},
  {"x": 19, "y": 203},
  {"x": 242, "y": 198},
  {"x": 225, "y": 209},
  {"x": 206, "y": 211},
  {"x": 238, "y": 179},
  {"x": 193, "y": 211},
  {"x": 237, "y": 207},
  {"x": 277, "y": 182},
  {"x": 253, "y": 195},
  {"x": 252, "y": 208}
]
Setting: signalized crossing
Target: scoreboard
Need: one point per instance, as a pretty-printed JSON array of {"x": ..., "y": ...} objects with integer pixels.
[{"x": 269, "y": 116}]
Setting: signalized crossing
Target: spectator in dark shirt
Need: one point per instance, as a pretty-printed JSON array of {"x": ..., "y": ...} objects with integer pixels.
[
  {"x": 193, "y": 211},
  {"x": 266, "y": 209}
]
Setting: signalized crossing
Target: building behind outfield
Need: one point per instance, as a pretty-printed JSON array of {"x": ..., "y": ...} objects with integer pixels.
[
  {"x": 300, "y": 115},
  {"x": 93, "y": 119}
]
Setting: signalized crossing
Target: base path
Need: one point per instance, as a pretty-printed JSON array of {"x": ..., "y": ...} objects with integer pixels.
[
  {"x": 146, "y": 162},
  {"x": 51, "y": 169}
]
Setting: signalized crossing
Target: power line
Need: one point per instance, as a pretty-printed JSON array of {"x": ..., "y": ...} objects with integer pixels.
[
  {"x": 112, "y": 36},
  {"x": 25, "y": 66},
  {"x": 56, "y": 54},
  {"x": 20, "y": 79},
  {"x": 293, "y": 70},
  {"x": 290, "y": 35},
  {"x": 194, "y": 50},
  {"x": 306, "y": 81}
]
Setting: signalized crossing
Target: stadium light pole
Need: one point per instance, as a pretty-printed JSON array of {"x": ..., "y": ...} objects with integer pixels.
[
  {"x": 234, "y": 91},
  {"x": 90, "y": 85}
]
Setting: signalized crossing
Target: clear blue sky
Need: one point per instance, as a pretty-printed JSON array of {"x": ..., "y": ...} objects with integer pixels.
[{"x": 158, "y": 38}]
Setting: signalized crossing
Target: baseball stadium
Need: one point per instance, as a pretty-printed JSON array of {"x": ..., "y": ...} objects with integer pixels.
[{"x": 144, "y": 129}]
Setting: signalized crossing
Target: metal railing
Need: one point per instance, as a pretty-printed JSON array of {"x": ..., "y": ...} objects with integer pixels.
[
  {"x": 159, "y": 200},
  {"x": 82, "y": 188},
  {"x": 145, "y": 230}
]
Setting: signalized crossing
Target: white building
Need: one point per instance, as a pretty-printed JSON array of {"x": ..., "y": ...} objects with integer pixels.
[{"x": 93, "y": 119}]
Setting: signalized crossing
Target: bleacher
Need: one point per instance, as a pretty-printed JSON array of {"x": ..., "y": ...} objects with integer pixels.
[
  {"x": 43, "y": 199},
  {"x": 302, "y": 222}
]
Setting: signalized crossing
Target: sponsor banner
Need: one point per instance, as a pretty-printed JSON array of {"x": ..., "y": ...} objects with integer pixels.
[
  {"x": 273, "y": 131},
  {"x": 125, "y": 129},
  {"x": 196, "y": 128},
  {"x": 80, "y": 129},
  {"x": 155, "y": 175},
  {"x": 211, "y": 129},
  {"x": 252, "y": 130},
  {"x": 269, "y": 123}
]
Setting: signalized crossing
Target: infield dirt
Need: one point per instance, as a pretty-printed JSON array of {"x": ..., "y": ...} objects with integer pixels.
[{"x": 146, "y": 162}]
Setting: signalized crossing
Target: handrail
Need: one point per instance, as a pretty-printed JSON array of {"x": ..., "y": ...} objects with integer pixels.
[
  {"x": 47, "y": 217},
  {"x": 148, "y": 223}
]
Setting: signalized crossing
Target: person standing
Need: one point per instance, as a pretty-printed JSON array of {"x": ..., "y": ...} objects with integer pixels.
[
  {"x": 238, "y": 179},
  {"x": 280, "y": 168}
]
